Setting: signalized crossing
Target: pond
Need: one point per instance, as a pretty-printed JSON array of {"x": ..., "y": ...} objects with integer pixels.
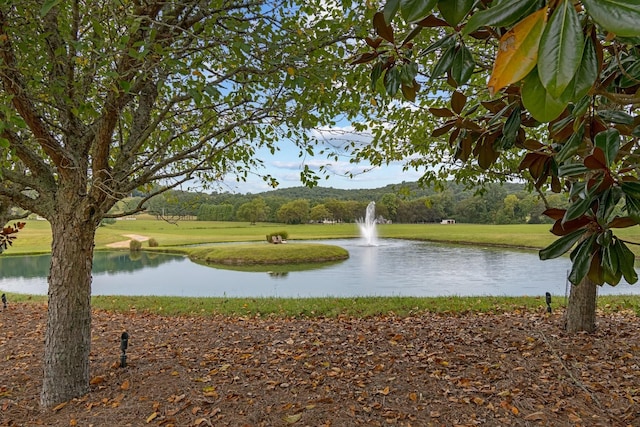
[{"x": 393, "y": 268}]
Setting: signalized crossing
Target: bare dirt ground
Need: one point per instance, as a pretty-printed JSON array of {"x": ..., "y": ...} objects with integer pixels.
[
  {"x": 125, "y": 243},
  {"x": 516, "y": 369}
]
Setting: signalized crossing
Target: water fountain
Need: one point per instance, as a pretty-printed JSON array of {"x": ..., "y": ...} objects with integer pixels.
[{"x": 368, "y": 226}]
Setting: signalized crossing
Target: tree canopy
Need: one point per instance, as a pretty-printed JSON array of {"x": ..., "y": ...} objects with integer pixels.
[
  {"x": 102, "y": 98},
  {"x": 545, "y": 91}
]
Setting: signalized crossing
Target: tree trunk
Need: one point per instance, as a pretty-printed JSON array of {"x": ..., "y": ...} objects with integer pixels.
[
  {"x": 68, "y": 333},
  {"x": 581, "y": 312}
]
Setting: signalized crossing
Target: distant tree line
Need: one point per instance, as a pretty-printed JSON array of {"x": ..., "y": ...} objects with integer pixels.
[{"x": 401, "y": 203}]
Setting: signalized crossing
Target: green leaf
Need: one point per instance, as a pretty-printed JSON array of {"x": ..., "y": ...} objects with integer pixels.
[
  {"x": 587, "y": 71},
  {"x": 416, "y": 10},
  {"x": 443, "y": 43},
  {"x": 540, "y": 104},
  {"x": 609, "y": 142},
  {"x": 390, "y": 9},
  {"x": 610, "y": 265},
  {"x": 562, "y": 245},
  {"x": 581, "y": 258},
  {"x": 577, "y": 208},
  {"x": 570, "y": 147},
  {"x": 392, "y": 80},
  {"x": 632, "y": 205},
  {"x": 454, "y": 11},
  {"x": 376, "y": 73},
  {"x": 47, "y": 6},
  {"x": 444, "y": 64},
  {"x": 626, "y": 260},
  {"x": 503, "y": 14},
  {"x": 462, "y": 65},
  {"x": 631, "y": 188},
  {"x": 561, "y": 47},
  {"x": 620, "y": 17},
  {"x": 616, "y": 116}
]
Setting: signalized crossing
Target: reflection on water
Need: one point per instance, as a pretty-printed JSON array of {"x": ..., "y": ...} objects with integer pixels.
[{"x": 394, "y": 268}]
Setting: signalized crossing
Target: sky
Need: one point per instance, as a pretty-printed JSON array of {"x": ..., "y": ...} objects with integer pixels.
[{"x": 286, "y": 165}]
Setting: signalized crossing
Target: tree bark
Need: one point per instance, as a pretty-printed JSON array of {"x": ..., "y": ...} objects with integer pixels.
[
  {"x": 581, "y": 312},
  {"x": 68, "y": 333}
]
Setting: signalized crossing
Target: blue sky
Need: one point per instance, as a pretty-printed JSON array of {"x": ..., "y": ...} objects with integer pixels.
[{"x": 286, "y": 165}]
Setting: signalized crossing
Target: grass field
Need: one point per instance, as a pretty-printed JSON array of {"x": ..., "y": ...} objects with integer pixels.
[{"x": 36, "y": 236}]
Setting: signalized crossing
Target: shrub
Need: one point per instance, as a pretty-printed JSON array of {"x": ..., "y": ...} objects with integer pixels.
[
  {"x": 135, "y": 245},
  {"x": 153, "y": 243},
  {"x": 283, "y": 235},
  {"x": 107, "y": 221}
]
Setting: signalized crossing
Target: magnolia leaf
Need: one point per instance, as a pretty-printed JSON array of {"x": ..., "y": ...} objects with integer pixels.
[
  {"x": 577, "y": 209},
  {"x": 390, "y": 9},
  {"x": 458, "y": 101},
  {"x": 503, "y": 14},
  {"x": 540, "y": 104},
  {"x": 570, "y": 147},
  {"x": 610, "y": 265},
  {"x": 47, "y": 6},
  {"x": 415, "y": 10},
  {"x": 622, "y": 222},
  {"x": 383, "y": 29},
  {"x": 561, "y": 246},
  {"x": 454, "y": 11},
  {"x": 626, "y": 260},
  {"x": 587, "y": 72},
  {"x": 444, "y": 64},
  {"x": 581, "y": 258},
  {"x": 462, "y": 65},
  {"x": 517, "y": 52},
  {"x": 560, "y": 49},
  {"x": 620, "y": 17},
  {"x": 609, "y": 142}
]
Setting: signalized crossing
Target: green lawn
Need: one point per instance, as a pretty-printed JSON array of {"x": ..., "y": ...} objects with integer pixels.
[{"x": 36, "y": 236}]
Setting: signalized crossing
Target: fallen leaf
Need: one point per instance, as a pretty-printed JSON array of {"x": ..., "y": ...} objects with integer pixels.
[
  {"x": 60, "y": 406},
  {"x": 125, "y": 385},
  {"x": 291, "y": 419},
  {"x": 97, "y": 380},
  {"x": 152, "y": 417}
]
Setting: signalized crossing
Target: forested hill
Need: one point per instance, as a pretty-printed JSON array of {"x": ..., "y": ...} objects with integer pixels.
[
  {"x": 408, "y": 190},
  {"x": 405, "y": 203}
]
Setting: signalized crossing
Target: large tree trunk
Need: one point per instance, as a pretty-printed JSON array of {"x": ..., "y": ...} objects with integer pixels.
[
  {"x": 68, "y": 333},
  {"x": 581, "y": 312}
]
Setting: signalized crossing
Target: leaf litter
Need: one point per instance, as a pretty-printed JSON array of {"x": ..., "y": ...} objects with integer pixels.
[{"x": 513, "y": 369}]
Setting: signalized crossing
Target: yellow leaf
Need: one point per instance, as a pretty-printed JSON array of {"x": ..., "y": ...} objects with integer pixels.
[
  {"x": 518, "y": 51},
  {"x": 291, "y": 71},
  {"x": 125, "y": 385},
  {"x": 73, "y": 422},
  {"x": 290, "y": 419},
  {"x": 385, "y": 391},
  {"x": 152, "y": 417}
]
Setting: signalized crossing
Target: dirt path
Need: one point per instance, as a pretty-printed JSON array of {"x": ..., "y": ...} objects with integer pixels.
[
  {"x": 125, "y": 243},
  {"x": 516, "y": 369}
]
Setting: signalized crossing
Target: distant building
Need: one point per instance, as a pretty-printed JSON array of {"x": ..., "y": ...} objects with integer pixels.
[{"x": 448, "y": 221}]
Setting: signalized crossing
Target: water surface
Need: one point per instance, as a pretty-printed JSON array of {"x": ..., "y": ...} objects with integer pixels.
[{"x": 393, "y": 268}]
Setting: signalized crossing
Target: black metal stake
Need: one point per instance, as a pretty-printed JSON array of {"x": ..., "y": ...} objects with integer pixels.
[
  {"x": 548, "y": 299},
  {"x": 4, "y": 301},
  {"x": 124, "y": 343}
]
